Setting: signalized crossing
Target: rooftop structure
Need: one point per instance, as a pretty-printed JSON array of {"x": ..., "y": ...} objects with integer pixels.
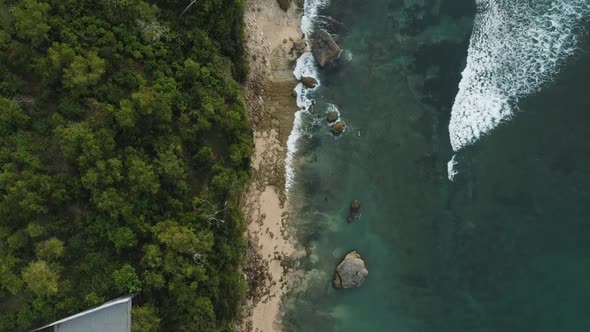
[{"x": 112, "y": 316}]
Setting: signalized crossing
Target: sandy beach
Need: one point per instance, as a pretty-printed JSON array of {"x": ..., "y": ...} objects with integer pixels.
[{"x": 270, "y": 37}]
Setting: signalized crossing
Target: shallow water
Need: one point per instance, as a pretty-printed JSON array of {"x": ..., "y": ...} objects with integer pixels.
[{"x": 506, "y": 247}]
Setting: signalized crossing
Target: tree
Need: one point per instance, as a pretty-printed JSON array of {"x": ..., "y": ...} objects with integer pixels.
[
  {"x": 123, "y": 237},
  {"x": 51, "y": 67},
  {"x": 40, "y": 278},
  {"x": 141, "y": 176},
  {"x": 60, "y": 55},
  {"x": 11, "y": 117},
  {"x": 152, "y": 256},
  {"x": 30, "y": 20},
  {"x": 126, "y": 280},
  {"x": 110, "y": 138},
  {"x": 35, "y": 230},
  {"x": 154, "y": 104},
  {"x": 49, "y": 250},
  {"x": 9, "y": 280},
  {"x": 84, "y": 72},
  {"x": 144, "y": 319},
  {"x": 170, "y": 162},
  {"x": 181, "y": 238}
]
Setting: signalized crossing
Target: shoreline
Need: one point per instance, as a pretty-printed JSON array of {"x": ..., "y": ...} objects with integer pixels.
[{"x": 271, "y": 34}]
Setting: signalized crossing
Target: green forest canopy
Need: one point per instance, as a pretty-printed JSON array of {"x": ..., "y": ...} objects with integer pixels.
[{"x": 124, "y": 144}]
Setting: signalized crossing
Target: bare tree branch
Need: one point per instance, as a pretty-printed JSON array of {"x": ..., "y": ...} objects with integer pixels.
[{"x": 187, "y": 7}]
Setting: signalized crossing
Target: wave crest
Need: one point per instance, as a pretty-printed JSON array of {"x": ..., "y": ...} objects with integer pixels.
[{"x": 516, "y": 46}]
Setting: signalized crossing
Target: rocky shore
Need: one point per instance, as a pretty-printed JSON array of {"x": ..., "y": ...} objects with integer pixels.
[{"x": 274, "y": 41}]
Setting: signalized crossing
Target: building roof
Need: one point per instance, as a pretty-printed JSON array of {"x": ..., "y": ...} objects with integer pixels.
[{"x": 120, "y": 300}]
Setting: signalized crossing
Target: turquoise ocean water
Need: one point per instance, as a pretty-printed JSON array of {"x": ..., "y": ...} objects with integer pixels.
[{"x": 505, "y": 247}]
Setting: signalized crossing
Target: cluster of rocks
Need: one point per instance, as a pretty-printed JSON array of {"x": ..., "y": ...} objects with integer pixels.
[
  {"x": 255, "y": 273},
  {"x": 285, "y": 4},
  {"x": 325, "y": 49},
  {"x": 352, "y": 270}
]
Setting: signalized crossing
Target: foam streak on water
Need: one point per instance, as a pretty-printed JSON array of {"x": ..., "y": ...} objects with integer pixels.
[
  {"x": 516, "y": 47},
  {"x": 306, "y": 66}
]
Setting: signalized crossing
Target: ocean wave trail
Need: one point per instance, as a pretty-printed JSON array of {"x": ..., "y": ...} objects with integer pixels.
[{"x": 516, "y": 46}]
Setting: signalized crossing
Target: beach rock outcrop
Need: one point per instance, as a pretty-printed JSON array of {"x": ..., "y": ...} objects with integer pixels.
[
  {"x": 284, "y": 4},
  {"x": 299, "y": 3},
  {"x": 309, "y": 82},
  {"x": 351, "y": 272},
  {"x": 332, "y": 116},
  {"x": 353, "y": 211},
  {"x": 323, "y": 47},
  {"x": 338, "y": 128}
]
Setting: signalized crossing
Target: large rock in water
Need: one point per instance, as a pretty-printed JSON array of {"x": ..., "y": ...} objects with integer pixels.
[
  {"x": 338, "y": 128},
  {"x": 351, "y": 272},
  {"x": 332, "y": 116},
  {"x": 323, "y": 47},
  {"x": 309, "y": 82}
]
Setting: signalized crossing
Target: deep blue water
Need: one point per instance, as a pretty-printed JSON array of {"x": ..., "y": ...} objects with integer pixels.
[{"x": 506, "y": 247}]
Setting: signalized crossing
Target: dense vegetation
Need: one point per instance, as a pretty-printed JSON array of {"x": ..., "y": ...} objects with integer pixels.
[{"x": 124, "y": 144}]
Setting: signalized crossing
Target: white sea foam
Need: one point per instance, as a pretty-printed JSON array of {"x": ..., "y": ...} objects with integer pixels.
[
  {"x": 306, "y": 66},
  {"x": 451, "y": 171},
  {"x": 310, "y": 13},
  {"x": 516, "y": 46},
  {"x": 348, "y": 55}
]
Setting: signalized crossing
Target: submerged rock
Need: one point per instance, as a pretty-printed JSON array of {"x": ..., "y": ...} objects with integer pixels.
[
  {"x": 309, "y": 82},
  {"x": 332, "y": 116},
  {"x": 351, "y": 272},
  {"x": 338, "y": 128},
  {"x": 323, "y": 47},
  {"x": 355, "y": 207}
]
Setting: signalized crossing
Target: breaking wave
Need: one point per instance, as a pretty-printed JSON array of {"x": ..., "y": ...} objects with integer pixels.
[
  {"x": 306, "y": 66},
  {"x": 516, "y": 46}
]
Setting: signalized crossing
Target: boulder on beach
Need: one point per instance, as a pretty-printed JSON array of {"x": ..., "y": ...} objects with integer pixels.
[
  {"x": 338, "y": 128},
  {"x": 299, "y": 45},
  {"x": 309, "y": 82},
  {"x": 284, "y": 4},
  {"x": 323, "y": 47},
  {"x": 332, "y": 116},
  {"x": 351, "y": 272},
  {"x": 355, "y": 207}
]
